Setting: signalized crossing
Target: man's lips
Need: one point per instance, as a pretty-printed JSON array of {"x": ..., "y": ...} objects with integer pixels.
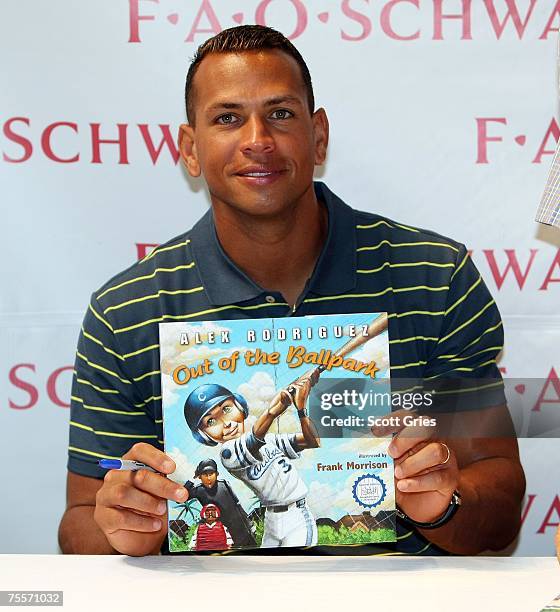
[{"x": 260, "y": 175}]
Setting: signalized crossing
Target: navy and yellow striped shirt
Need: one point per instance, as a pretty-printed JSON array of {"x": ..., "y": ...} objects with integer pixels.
[{"x": 442, "y": 320}]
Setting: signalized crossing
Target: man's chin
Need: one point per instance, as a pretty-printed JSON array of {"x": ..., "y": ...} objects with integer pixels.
[{"x": 257, "y": 201}]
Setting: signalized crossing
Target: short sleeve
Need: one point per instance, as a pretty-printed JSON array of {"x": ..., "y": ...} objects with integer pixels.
[
  {"x": 106, "y": 415},
  {"x": 286, "y": 443},
  {"x": 235, "y": 455},
  {"x": 470, "y": 340}
]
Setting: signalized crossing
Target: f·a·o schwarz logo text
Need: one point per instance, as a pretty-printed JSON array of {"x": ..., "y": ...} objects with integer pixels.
[
  {"x": 67, "y": 142},
  {"x": 543, "y": 511},
  {"x": 349, "y": 20},
  {"x": 26, "y": 382}
]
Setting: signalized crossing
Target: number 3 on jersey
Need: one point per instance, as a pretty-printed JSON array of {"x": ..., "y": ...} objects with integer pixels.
[{"x": 285, "y": 465}]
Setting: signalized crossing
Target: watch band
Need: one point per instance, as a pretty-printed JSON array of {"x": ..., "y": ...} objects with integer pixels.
[{"x": 444, "y": 518}]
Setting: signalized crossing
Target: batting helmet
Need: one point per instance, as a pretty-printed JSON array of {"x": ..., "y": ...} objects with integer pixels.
[{"x": 199, "y": 403}]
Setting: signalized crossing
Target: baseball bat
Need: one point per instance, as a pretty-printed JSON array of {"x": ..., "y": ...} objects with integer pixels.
[{"x": 376, "y": 327}]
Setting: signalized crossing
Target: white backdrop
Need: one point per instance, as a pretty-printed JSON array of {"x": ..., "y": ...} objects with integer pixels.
[{"x": 443, "y": 115}]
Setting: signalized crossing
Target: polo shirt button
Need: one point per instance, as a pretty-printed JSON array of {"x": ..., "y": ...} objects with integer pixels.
[{"x": 270, "y": 299}]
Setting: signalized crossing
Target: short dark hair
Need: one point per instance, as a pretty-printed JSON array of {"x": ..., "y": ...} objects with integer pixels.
[{"x": 240, "y": 39}]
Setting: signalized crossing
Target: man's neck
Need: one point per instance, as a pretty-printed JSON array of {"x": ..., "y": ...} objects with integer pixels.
[{"x": 279, "y": 254}]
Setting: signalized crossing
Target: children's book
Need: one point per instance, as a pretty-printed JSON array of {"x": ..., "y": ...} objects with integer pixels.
[{"x": 269, "y": 423}]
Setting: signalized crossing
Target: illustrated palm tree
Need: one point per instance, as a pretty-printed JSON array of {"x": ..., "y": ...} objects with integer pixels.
[{"x": 181, "y": 526}]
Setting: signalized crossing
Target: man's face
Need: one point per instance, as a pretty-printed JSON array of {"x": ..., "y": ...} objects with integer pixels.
[
  {"x": 255, "y": 140},
  {"x": 224, "y": 422},
  {"x": 208, "y": 479}
]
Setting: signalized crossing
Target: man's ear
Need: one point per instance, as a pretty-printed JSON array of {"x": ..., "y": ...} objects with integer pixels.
[
  {"x": 321, "y": 132},
  {"x": 187, "y": 149}
]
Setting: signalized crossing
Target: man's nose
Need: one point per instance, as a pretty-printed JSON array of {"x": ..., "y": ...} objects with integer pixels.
[{"x": 257, "y": 137}]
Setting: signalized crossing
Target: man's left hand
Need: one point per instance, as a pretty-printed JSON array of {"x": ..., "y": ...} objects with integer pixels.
[{"x": 426, "y": 470}]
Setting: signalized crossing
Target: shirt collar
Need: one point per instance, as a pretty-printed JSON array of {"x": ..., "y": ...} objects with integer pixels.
[{"x": 334, "y": 274}]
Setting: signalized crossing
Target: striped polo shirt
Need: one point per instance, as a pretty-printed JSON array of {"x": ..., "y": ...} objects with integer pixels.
[{"x": 443, "y": 321}]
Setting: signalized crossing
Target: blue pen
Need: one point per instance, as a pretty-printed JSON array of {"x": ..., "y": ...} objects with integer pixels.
[{"x": 124, "y": 464}]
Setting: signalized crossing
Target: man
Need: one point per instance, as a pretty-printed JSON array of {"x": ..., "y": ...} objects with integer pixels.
[
  {"x": 261, "y": 460},
  {"x": 218, "y": 492},
  {"x": 276, "y": 244}
]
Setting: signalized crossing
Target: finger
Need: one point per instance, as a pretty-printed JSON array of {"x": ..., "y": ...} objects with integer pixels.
[
  {"x": 424, "y": 457},
  {"x": 440, "y": 480},
  {"x": 155, "y": 484},
  {"x": 116, "y": 519},
  {"x": 148, "y": 454},
  {"x": 402, "y": 447},
  {"x": 126, "y": 496},
  {"x": 395, "y": 424},
  {"x": 408, "y": 438},
  {"x": 286, "y": 397},
  {"x": 283, "y": 399},
  {"x": 158, "y": 485}
]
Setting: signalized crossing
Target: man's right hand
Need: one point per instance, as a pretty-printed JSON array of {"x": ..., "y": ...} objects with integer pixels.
[{"x": 131, "y": 507}]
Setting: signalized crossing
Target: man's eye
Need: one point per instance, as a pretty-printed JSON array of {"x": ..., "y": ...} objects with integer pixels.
[
  {"x": 226, "y": 409},
  {"x": 282, "y": 113},
  {"x": 226, "y": 119},
  {"x": 210, "y": 422}
]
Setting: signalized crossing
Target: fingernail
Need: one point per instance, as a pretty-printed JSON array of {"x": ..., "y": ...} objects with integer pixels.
[
  {"x": 167, "y": 466},
  {"x": 156, "y": 524},
  {"x": 398, "y": 472},
  {"x": 161, "y": 507},
  {"x": 180, "y": 494},
  {"x": 402, "y": 485}
]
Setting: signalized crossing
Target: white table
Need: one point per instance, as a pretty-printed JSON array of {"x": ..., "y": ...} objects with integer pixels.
[{"x": 286, "y": 584}]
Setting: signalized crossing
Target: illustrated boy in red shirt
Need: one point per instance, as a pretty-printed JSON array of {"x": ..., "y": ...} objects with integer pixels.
[{"x": 211, "y": 533}]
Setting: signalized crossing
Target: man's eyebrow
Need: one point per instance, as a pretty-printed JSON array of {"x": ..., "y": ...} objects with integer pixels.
[
  {"x": 226, "y": 105},
  {"x": 282, "y": 99},
  {"x": 223, "y": 104}
]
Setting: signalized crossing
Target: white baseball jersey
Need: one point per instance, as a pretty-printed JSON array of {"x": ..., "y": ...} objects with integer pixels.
[{"x": 272, "y": 477}]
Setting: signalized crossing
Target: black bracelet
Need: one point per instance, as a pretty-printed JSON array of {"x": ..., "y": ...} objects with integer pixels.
[{"x": 444, "y": 518}]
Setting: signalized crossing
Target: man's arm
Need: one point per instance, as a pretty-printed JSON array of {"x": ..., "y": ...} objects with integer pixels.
[
  {"x": 117, "y": 510},
  {"x": 492, "y": 485},
  {"x": 124, "y": 513},
  {"x": 483, "y": 459},
  {"x": 78, "y": 532},
  {"x": 485, "y": 470}
]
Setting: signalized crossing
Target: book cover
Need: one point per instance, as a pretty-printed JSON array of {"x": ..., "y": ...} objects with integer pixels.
[{"x": 269, "y": 424}]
